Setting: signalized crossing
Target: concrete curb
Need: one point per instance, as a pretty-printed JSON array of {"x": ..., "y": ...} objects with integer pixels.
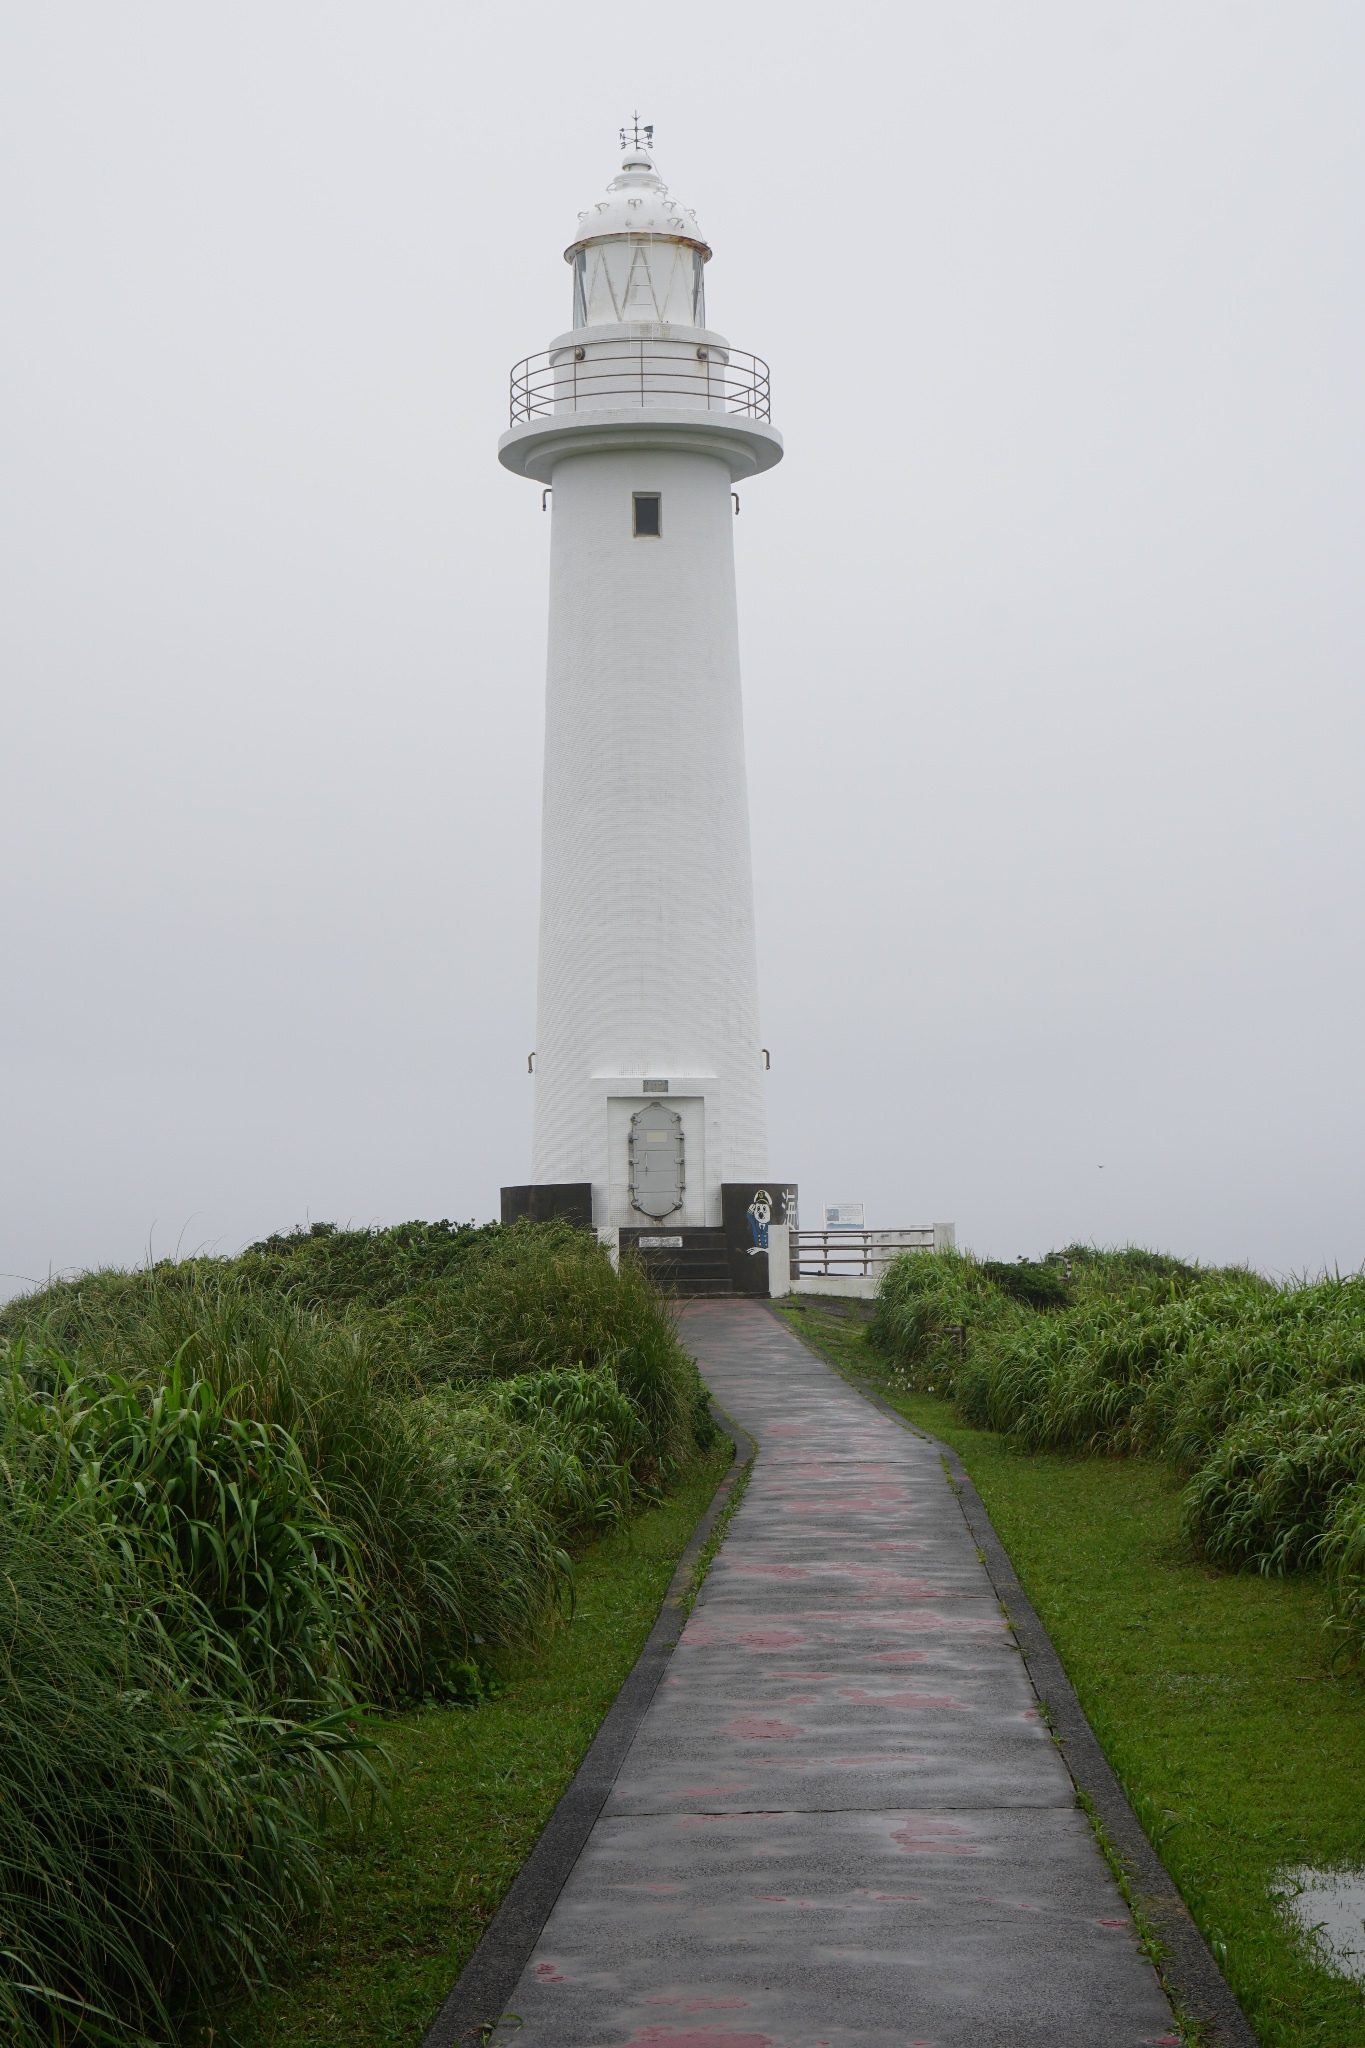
[
  {"x": 492, "y": 1973},
  {"x": 1189, "y": 1971}
]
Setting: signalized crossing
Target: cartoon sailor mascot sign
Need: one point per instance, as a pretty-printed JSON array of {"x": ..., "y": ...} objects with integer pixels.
[{"x": 749, "y": 1212}]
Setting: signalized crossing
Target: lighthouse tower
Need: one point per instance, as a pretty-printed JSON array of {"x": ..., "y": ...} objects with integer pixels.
[{"x": 638, "y": 422}]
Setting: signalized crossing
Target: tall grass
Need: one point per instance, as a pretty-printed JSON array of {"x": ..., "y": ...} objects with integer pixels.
[
  {"x": 158, "y": 1823},
  {"x": 1256, "y": 1391},
  {"x": 552, "y": 1296},
  {"x": 240, "y": 1500}
]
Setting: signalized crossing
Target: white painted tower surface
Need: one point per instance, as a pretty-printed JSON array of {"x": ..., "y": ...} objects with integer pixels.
[{"x": 642, "y": 419}]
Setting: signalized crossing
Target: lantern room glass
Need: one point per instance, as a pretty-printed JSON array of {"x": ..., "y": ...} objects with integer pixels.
[{"x": 628, "y": 278}]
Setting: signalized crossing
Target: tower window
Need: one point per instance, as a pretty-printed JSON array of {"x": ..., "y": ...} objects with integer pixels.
[{"x": 648, "y": 523}]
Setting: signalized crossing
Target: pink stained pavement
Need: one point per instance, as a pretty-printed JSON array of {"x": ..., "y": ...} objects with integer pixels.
[{"x": 842, "y": 1820}]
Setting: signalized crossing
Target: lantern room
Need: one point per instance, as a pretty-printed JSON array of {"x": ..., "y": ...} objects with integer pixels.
[{"x": 639, "y": 255}]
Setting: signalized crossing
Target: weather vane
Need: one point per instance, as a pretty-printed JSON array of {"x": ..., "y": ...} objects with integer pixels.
[{"x": 637, "y": 137}]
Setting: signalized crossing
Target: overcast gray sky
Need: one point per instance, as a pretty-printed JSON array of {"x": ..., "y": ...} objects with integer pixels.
[{"x": 1052, "y": 617}]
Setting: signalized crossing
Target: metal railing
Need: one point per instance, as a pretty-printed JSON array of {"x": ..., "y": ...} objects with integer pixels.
[
  {"x": 849, "y": 1254},
  {"x": 594, "y": 376}
]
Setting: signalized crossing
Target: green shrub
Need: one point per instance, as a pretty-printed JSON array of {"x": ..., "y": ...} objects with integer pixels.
[
  {"x": 238, "y": 1500},
  {"x": 1257, "y": 1391},
  {"x": 1268, "y": 1494},
  {"x": 426, "y": 1304},
  {"x": 1040, "y": 1283},
  {"x": 1342, "y": 1556},
  {"x": 583, "y": 1442},
  {"x": 217, "y": 1508},
  {"x": 927, "y": 1304},
  {"x": 156, "y": 1836},
  {"x": 459, "y": 1557},
  {"x": 328, "y": 1268},
  {"x": 548, "y": 1296}
]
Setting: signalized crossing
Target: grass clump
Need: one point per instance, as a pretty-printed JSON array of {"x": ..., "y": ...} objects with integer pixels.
[
  {"x": 243, "y": 1503},
  {"x": 158, "y": 1821},
  {"x": 1254, "y": 1392}
]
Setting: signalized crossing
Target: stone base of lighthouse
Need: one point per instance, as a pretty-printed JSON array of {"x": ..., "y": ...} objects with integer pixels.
[{"x": 748, "y": 1253}]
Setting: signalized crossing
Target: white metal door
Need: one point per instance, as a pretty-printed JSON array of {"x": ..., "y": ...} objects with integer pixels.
[{"x": 657, "y": 1177}]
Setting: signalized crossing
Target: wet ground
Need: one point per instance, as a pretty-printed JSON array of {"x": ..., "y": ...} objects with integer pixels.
[
  {"x": 842, "y": 1820},
  {"x": 1329, "y": 1907}
]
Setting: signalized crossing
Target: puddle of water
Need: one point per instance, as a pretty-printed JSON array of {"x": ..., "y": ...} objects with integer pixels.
[{"x": 1329, "y": 1905}]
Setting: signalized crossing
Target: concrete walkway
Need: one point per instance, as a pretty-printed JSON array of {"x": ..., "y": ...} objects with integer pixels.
[{"x": 842, "y": 1820}]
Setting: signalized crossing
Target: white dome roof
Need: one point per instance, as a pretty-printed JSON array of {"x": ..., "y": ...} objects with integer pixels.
[{"x": 637, "y": 203}]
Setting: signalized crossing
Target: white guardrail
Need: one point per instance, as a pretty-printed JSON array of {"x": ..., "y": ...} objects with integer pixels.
[
  {"x": 847, "y": 1262},
  {"x": 593, "y": 376},
  {"x": 825, "y": 1252}
]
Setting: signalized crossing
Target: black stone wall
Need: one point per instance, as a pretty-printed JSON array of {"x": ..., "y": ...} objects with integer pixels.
[{"x": 570, "y": 1199}]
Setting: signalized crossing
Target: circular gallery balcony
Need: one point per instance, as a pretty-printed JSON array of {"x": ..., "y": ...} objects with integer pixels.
[{"x": 617, "y": 373}]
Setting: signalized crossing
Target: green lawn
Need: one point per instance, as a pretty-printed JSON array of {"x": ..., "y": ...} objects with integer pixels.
[
  {"x": 1210, "y": 1692},
  {"x": 471, "y": 1791}
]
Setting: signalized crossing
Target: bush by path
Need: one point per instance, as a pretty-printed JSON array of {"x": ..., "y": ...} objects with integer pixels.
[
  {"x": 1255, "y": 1391},
  {"x": 242, "y": 1501}
]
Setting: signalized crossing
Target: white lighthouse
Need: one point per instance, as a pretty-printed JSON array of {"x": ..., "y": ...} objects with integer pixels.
[{"x": 640, "y": 420}]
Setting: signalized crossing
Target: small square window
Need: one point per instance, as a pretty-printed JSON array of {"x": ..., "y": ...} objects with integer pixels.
[{"x": 648, "y": 523}]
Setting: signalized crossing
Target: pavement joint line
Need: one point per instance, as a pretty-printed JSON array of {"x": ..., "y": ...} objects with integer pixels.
[
  {"x": 1188, "y": 1970},
  {"x": 479, "y": 1996},
  {"x": 625, "y": 1820}
]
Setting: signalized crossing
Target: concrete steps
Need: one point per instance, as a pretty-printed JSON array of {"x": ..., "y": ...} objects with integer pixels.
[{"x": 691, "y": 1264}]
